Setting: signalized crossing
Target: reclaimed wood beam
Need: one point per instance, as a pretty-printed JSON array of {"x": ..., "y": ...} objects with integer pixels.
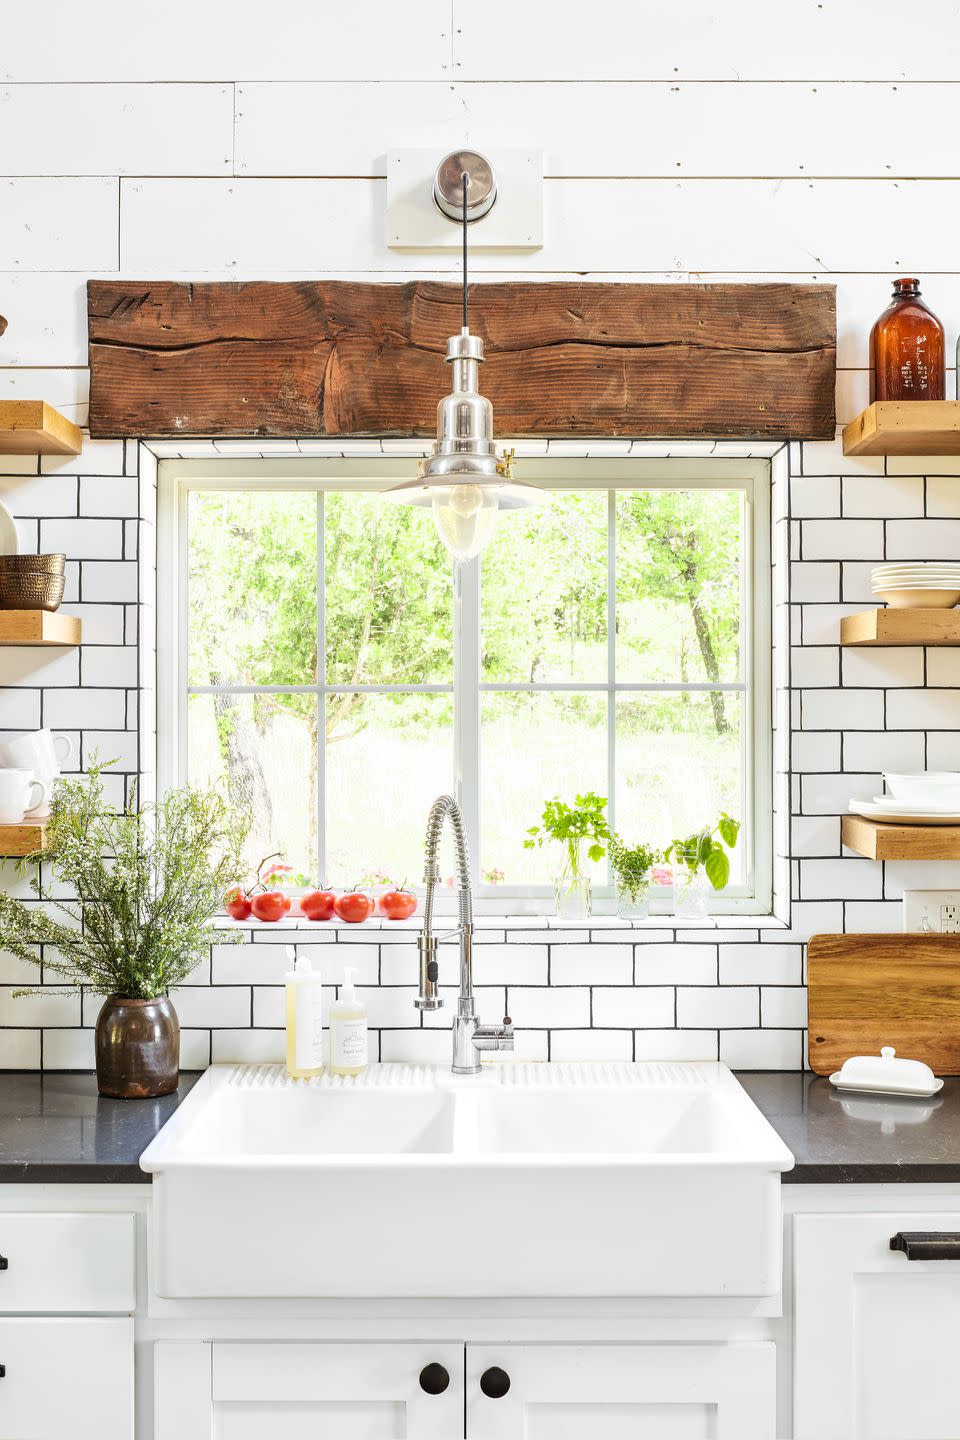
[{"x": 336, "y": 358}]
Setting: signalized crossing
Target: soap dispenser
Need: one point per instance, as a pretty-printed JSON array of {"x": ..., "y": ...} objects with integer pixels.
[
  {"x": 348, "y": 1029},
  {"x": 304, "y": 1018}
]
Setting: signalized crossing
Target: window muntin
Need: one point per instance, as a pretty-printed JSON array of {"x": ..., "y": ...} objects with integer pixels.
[{"x": 566, "y": 657}]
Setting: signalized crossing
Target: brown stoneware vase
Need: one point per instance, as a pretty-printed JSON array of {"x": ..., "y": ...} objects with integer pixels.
[{"x": 138, "y": 1048}]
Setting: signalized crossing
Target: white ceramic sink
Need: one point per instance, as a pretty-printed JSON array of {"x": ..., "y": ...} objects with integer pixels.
[{"x": 528, "y": 1180}]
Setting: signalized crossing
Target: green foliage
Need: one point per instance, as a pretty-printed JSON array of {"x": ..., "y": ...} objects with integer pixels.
[
  {"x": 702, "y": 849},
  {"x": 571, "y": 824},
  {"x": 147, "y": 880},
  {"x": 632, "y": 865}
]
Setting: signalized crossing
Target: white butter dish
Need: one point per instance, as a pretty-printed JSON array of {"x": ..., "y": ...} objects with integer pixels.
[{"x": 884, "y": 1074}]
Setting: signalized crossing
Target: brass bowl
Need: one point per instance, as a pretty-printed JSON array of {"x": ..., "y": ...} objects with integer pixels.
[
  {"x": 30, "y": 590},
  {"x": 49, "y": 564}
]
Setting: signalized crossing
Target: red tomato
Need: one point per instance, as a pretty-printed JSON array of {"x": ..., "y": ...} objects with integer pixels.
[
  {"x": 398, "y": 904},
  {"x": 287, "y": 902},
  {"x": 318, "y": 904},
  {"x": 354, "y": 907},
  {"x": 269, "y": 905},
  {"x": 238, "y": 905}
]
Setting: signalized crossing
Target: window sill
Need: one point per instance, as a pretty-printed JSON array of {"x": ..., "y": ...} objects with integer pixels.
[{"x": 298, "y": 923}]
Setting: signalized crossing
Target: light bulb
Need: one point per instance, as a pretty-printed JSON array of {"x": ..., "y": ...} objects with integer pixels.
[{"x": 465, "y": 516}]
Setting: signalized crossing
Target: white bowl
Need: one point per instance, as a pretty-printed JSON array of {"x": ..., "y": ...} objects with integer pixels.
[
  {"x": 919, "y": 599},
  {"x": 932, "y": 787}
]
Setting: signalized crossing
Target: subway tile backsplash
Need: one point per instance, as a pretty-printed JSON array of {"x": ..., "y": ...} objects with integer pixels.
[{"x": 664, "y": 990}]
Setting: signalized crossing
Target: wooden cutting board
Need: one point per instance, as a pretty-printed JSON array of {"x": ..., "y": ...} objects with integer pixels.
[{"x": 871, "y": 990}]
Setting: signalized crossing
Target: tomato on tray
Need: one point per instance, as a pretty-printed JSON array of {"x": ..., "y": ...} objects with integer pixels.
[
  {"x": 270, "y": 905},
  {"x": 354, "y": 907},
  {"x": 398, "y": 904},
  {"x": 318, "y": 904}
]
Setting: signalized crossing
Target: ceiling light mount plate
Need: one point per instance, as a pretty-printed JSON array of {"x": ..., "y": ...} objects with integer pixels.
[
  {"x": 481, "y": 186},
  {"x": 504, "y": 199}
]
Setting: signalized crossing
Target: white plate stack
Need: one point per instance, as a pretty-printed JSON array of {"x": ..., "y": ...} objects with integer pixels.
[{"x": 918, "y": 585}]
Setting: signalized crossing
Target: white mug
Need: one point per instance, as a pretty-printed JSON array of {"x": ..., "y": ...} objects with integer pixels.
[
  {"x": 39, "y": 751},
  {"x": 19, "y": 792}
]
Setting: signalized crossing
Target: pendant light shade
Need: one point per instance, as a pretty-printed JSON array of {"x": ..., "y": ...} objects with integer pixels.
[{"x": 464, "y": 481}]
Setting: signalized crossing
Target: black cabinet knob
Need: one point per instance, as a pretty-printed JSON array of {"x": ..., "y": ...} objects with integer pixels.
[
  {"x": 434, "y": 1379},
  {"x": 4, "y": 1263},
  {"x": 495, "y": 1382}
]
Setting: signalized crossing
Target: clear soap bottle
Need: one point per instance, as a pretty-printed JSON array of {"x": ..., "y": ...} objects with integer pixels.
[
  {"x": 348, "y": 1029},
  {"x": 304, "y": 1019}
]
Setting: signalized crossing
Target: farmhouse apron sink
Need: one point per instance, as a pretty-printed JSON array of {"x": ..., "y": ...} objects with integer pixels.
[{"x": 527, "y": 1180}]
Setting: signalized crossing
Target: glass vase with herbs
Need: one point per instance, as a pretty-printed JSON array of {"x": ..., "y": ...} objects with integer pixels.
[
  {"x": 701, "y": 861},
  {"x": 582, "y": 825},
  {"x": 632, "y": 867}
]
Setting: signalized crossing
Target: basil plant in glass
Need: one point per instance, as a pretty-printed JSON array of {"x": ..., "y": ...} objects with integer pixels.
[
  {"x": 699, "y": 861},
  {"x": 573, "y": 827},
  {"x": 632, "y": 867}
]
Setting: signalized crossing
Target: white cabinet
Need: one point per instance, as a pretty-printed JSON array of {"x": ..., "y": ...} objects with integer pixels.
[
  {"x": 621, "y": 1392},
  {"x": 240, "y": 1391},
  {"x": 60, "y": 1263},
  {"x": 876, "y": 1333},
  {"x": 66, "y": 1379},
  {"x": 284, "y": 1390}
]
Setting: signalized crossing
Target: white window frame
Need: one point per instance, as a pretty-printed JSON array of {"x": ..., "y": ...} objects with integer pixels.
[{"x": 749, "y": 474}]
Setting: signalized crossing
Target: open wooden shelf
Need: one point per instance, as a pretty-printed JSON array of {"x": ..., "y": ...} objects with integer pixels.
[
  {"x": 21, "y": 839},
  {"x": 32, "y": 427},
  {"x": 38, "y": 627},
  {"x": 901, "y": 627},
  {"x": 905, "y": 427},
  {"x": 878, "y": 840}
]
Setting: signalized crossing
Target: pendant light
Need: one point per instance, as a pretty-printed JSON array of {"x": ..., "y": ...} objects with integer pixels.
[{"x": 464, "y": 482}]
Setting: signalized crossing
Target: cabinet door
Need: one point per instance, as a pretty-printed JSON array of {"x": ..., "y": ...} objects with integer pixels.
[
  {"x": 66, "y": 1379},
  {"x": 284, "y": 1390},
  {"x": 876, "y": 1333},
  {"x": 63, "y": 1263},
  {"x": 621, "y": 1392}
]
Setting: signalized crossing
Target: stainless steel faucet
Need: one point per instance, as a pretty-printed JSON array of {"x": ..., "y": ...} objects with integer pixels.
[{"x": 469, "y": 1036}]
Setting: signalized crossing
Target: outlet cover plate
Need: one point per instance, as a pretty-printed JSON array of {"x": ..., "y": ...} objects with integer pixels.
[
  {"x": 415, "y": 223},
  {"x": 940, "y": 909}
]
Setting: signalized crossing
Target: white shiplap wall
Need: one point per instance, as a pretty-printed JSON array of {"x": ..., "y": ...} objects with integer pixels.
[{"x": 682, "y": 142}]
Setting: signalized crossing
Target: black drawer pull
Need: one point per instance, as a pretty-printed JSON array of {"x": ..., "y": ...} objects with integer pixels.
[
  {"x": 4, "y": 1263},
  {"x": 3, "y": 1372},
  {"x": 434, "y": 1379},
  {"x": 927, "y": 1244},
  {"x": 495, "y": 1382}
]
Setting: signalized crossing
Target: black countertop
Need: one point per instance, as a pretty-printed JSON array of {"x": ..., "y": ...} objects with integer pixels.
[{"x": 54, "y": 1128}]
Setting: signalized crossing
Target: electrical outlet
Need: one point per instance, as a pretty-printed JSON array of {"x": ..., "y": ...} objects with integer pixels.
[{"x": 936, "y": 911}]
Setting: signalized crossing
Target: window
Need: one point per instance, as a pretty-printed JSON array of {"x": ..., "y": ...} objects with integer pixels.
[{"x": 331, "y": 669}]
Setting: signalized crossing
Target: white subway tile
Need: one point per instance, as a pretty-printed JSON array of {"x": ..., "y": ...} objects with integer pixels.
[
  {"x": 35, "y": 665},
  {"x": 815, "y": 665},
  {"x": 843, "y": 539},
  {"x": 218, "y": 1006},
  {"x": 815, "y": 917},
  {"x": 194, "y": 1049},
  {"x": 820, "y": 624},
  {"x": 815, "y": 580},
  {"x": 864, "y": 917},
  {"x": 391, "y": 1006},
  {"x": 882, "y": 495},
  {"x": 814, "y": 495},
  {"x": 816, "y": 750},
  {"x": 550, "y": 1009},
  {"x": 783, "y": 1007},
  {"x": 717, "y": 1007},
  {"x": 843, "y": 879},
  {"x": 816, "y": 834},
  {"x": 504, "y": 964},
  {"x": 924, "y": 540},
  {"x": 98, "y": 457},
  {"x": 943, "y": 491},
  {"x": 117, "y": 745},
  {"x": 886, "y": 750},
  {"x": 100, "y": 624},
  {"x": 900, "y": 875},
  {"x": 20, "y": 1050},
  {"x": 919, "y": 709},
  {"x": 676, "y": 964},
  {"x": 943, "y": 666},
  {"x": 637, "y": 1007},
  {"x": 39, "y": 494},
  {"x": 415, "y": 1047},
  {"x": 675, "y": 1045},
  {"x": 826, "y": 457},
  {"x": 857, "y": 583},
  {"x": 109, "y": 665},
  {"x": 83, "y": 539},
  {"x": 247, "y": 1047},
  {"x": 895, "y": 666},
  {"x": 113, "y": 580},
  {"x": 21, "y": 1011},
  {"x": 591, "y": 1045},
  {"x": 69, "y": 1050},
  {"x": 943, "y": 751},
  {"x": 762, "y": 1049},
  {"x": 20, "y": 709},
  {"x": 591, "y": 965},
  {"x": 761, "y": 964},
  {"x": 112, "y": 495},
  {"x": 832, "y": 710}
]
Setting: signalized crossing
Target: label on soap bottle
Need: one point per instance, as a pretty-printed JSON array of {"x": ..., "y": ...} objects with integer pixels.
[
  {"x": 309, "y": 1044},
  {"x": 348, "y": 1044}
]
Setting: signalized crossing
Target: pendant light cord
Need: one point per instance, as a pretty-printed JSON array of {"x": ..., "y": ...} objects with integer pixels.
[{"x": 463, "y": 182}]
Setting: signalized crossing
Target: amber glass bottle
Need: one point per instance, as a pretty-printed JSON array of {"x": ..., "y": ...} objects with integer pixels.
[{"x": 907, "y": 349}]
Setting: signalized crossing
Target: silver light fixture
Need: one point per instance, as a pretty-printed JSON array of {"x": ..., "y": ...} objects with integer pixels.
[{"x": 465, "y": 483}]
